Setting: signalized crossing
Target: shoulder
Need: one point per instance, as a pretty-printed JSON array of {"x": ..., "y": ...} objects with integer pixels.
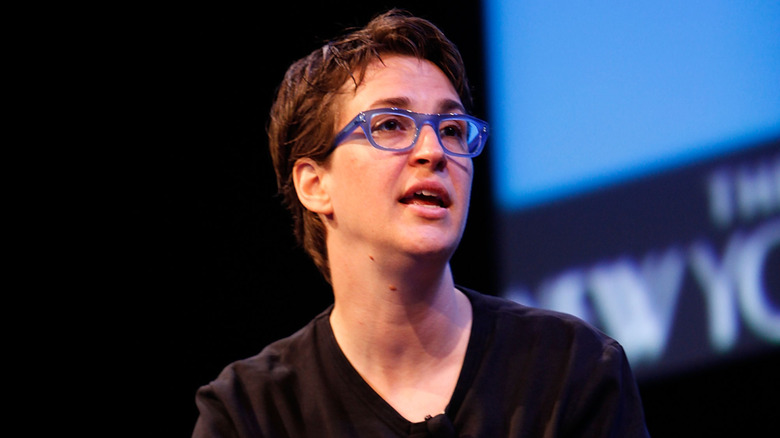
[
  {"x": 576, "y": 375},
  {"x": 537, "y": 325},
  {"x": 260, "y": 392},
  {"x": 276, "y": 365}
]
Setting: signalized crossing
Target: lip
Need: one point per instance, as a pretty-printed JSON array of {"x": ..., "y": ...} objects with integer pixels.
[{"x": 433, "y": 193}]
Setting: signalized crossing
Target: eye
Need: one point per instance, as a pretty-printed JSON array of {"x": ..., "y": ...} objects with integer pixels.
[
  {"x": 388, "y": 123},
  {"x": 452, "y": 128}
]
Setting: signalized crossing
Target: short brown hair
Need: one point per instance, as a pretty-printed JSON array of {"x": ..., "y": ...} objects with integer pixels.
[{"x": 303, "y": 113}]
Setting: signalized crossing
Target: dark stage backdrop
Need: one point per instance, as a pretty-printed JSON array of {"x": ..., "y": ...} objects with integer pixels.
[{"x": 214, "y": 272}]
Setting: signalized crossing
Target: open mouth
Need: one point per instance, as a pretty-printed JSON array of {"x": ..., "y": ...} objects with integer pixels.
[{"x": 426, "y": 198}]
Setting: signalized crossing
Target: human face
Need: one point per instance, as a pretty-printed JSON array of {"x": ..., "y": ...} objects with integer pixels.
[{"x": 398, "y": 203}]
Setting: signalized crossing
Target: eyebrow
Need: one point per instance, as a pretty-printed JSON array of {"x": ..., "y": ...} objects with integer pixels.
[{"x": 445, "y": 105}]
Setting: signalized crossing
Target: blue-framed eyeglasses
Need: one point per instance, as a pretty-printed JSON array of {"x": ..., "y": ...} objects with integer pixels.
[{"x": 394, "y": 129}]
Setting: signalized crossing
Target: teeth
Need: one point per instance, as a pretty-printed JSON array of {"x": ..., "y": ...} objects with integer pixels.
[{"x": 426, "y": 197}]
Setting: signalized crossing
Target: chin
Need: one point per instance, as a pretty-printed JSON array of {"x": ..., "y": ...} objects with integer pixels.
[{"x": 433, "y": 246}]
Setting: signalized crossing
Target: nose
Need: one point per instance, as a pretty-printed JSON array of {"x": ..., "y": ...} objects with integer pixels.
[{"x": 428, "y": 151}]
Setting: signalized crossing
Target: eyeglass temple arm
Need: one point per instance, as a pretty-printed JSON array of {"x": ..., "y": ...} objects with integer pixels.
[{"x": 349, "y": 129}]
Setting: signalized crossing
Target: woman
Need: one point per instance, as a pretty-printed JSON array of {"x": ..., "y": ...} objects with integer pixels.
[{"x": 372, "y": 146}]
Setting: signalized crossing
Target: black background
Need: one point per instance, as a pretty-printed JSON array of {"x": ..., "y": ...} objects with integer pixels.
[{"x": 211, "y": 268}]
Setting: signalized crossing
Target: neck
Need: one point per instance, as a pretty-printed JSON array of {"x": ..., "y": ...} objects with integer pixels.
[
  {"x": 404, "y": 330},
  {"x": 391, "y": 321}
]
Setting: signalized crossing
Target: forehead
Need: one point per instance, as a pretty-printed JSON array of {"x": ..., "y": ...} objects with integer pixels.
[{"x": 401, "y": 81}]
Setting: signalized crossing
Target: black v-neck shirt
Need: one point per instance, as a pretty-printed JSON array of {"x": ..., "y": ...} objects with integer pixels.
[{"x": 527, "y": 372}]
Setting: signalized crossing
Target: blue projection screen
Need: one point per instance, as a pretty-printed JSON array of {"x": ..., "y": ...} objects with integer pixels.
[{"x": 635, "y": 153}]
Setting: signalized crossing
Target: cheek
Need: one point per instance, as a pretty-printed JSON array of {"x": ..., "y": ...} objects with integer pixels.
[
  {"x": 358, "y": 179},
  {"x": 361, "y": 174},
  {"x": 463, "y": 174}
]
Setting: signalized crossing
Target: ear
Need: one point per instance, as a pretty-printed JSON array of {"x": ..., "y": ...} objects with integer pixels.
[{"x": 308, "y": 178}]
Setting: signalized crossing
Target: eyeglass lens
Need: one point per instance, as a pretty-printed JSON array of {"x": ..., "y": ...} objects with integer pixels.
[{"x": 397, "y": 131}]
